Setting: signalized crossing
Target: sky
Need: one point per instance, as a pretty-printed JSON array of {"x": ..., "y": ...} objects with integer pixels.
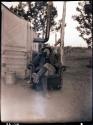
[{"x": 71, "y": 37}]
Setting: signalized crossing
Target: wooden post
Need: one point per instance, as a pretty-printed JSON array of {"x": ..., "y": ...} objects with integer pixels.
[
  {"x": 62, "y": 32},
  {"x": 55, "y": 37}
]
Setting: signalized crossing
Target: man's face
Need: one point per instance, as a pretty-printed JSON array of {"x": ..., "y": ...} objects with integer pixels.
[{"x": 47, "y": 52}]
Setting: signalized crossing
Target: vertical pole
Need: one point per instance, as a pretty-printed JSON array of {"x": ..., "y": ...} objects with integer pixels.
[
  {"x": 29, "y": 8},
  {"x": 26, "y": 52},
  {"x": 62, "y": 32},
  {"x": 55, "y": 37},
  {"x": 49, "y": 8},
  {"x": 20, "y": 3}
]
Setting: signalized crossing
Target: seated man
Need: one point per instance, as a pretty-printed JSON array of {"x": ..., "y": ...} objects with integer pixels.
[
  {"x": 45, "y": 70},
  {"x": 38, "y": 59}
]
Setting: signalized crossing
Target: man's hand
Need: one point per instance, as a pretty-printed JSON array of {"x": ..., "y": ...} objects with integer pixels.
[{"x": 35, "y": 78}]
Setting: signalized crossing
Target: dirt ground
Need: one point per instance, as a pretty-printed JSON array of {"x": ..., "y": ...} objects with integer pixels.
[{"x": 72, "y": 103}]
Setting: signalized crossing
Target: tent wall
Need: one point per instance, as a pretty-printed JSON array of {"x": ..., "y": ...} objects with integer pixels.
[{"x": 17, "y": 43}]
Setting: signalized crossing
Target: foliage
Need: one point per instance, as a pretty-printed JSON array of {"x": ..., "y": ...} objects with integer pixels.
[
  {"x": 85, "y": 21},
  {"x": 36, "y": 13}
]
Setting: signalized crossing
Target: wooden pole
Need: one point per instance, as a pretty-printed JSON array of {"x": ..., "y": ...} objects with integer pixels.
[
  {"x": 55, "y": 37},
  {"x": 62, "y": 32}
]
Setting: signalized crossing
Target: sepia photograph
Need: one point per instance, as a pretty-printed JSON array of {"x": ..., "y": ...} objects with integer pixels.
[{"x": 46, "y": 62}]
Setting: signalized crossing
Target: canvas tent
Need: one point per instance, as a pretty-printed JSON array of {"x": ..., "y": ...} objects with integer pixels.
[{"x": 16, "y": 43}]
